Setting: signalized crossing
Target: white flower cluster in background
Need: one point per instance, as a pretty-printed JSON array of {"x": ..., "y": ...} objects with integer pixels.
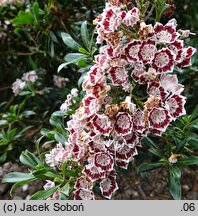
[
  {"x": 20, "y": 84},
  {"x": 4, "y": 3},
  {"x": 70, "y": 98},
  {"x": 59, "y": 81}
]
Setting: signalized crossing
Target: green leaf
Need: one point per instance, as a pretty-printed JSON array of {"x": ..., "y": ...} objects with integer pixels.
[
  {"x": 193, "y": 143},
  {"x": 73, "y": 57},
  {"x": 147, "y": 141},
  {"x": 52, "y": 52},
  {"x": 180, "y": 145},
  {"x": 156, "y": 152},
  {"x": 69, "y": 173},
  {"x": 44, "y": 194},
  {"x": 60, "y": 138},
  {"x": 28, "y": 113},
  {"x": 85, "y": 35},
  {"x": 3, "y": 122},
  {"x": 194, "y": 113},
  {"x": 17, "y": 176},
  {"x": 53, "y": 37},
  {"x": 23, "y": 18},
  {"x": 40, "y": 173},
  {"x": 84, "y": 51},
  {"x": 65, "y": 189},
  {"x": 174, "y": 182},
  {"x": 81, "y": 79},
  {"x": 52, "y": 174},
  {"x": 58, "y": 124},
  {"x": 18, "y": 184},
  {"x": 23, "y": 93},
  {"x": 150, "y": 166},
  {"x": 59, "y": 113},
  {"x": 3, "y": 157},
  {"x": 36, "y": 11},
  {"x": 48, "y": 133},
  {"x": 29, "y": 159},
  {"x": 69, "y": 41},
  {"x": 192, "y": 160},
  {"x": 61, "y": 66},
  {"x": 81, "y": 63}
]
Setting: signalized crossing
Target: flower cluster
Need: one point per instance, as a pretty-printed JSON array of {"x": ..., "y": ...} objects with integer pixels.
[
  {"x": 70, "y": 99},
  {"x": 113, "y": 117},
  {"x": 59, "y": 81},
  {"x": 20, "y": 84}
]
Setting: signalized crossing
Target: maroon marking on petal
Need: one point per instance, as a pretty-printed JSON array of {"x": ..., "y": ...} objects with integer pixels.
[
  {"x": 104, "y": 161},
  {"x": 123, "y": 125}
]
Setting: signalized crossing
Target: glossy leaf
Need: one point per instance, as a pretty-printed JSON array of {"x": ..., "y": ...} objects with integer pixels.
[
  {"x": 43, "y": 194},
  {"x": 17, "y": 176},
  {"x": 85, "y": 35},
  {"x": 192, "y": 160},
  {"x": 174, "y": 182},
  {"x": 29, "y": 159},
  {"x": 149, "y": 166},
  {"x": 69, "y": 41},
  {"x": 194, "y": 113},
  {"x": 18, "y": 184}
]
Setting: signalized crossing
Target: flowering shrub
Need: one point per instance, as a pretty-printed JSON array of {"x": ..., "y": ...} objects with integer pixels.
[{"x": 130, "y": 93}]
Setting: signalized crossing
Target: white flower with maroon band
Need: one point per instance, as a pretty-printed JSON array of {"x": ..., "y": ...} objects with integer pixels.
[
  {"x": 93, "y": 172},
  {"x": 164, "y": 61},
  {"x": 159, "y": 119},
  {"x": 131, "y": 17},
  {"x": 95, "y": 75},
  {"x": 123, "y": 125},
  {"x": 139, "y": 69},
  {"x": 103, "y": 161},
  {"x": 103, "y": 61},
  {"x": 186, "y": 55},
  {"x": 108, "y": 186},
  {"x": 58, "y": 155},
  {"x": 121, "y": 163},
  {"x": 91, "y": 105},
  {"x": 97, "y": 145},
  {"x": 170, "y": 83},
  {"x": 166, "y": 33},
  {"x": 175, "y": 105},
  {"x": 83, "y": 194},
  {"x": 139, "y": 121},
  {"x": 147, "y": 76},
  {"x": 132, "y": 49},
  {"x": 126, "y": 153},
  {"x": 83, "y": 182},
  {"x": 177, "y": 48},
  {"x": 147, "y": 51},
  {"x": 110, "y": 20},
  {"x": 155, "y": 89},
  {"x": 98, "y": 91},
  {"x": 118, "y": 75},
  {"x": 132, "y": 139},
  {"x": 102, "y": 124},
  {"x": 78, "y": 152}
]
